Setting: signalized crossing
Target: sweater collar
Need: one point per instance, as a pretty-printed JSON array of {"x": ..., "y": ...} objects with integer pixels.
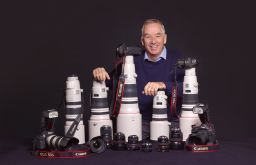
[{"x": 161, "y": 56}]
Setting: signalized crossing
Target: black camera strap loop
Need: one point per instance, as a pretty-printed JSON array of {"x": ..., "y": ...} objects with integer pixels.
[{"x": 72, "y": 129}]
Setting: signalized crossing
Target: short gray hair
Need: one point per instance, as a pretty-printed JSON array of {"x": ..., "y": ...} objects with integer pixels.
[{"x": 149, "y": 21}]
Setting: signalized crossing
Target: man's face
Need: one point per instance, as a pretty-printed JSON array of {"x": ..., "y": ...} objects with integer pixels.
[{"x": 153, "y": 39}]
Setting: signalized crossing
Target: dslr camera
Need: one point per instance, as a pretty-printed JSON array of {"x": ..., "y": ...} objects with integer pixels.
[{"x": 48, "y": 140}]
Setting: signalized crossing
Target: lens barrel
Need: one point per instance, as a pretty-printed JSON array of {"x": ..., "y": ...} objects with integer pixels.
[
  {"x": 60, "y": 142},
  {"x": 133, "y": 143},
  {"x": 146, "y": 146},
  {"x": 119, "y": 142},
  {"x": 97, "y": 144},
  {"x": 106, "y": 134},
  {"x": 163, "y": 144},
  {"x": 176, "y": 137}
]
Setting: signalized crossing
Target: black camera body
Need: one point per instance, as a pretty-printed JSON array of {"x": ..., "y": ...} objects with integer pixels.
[
  {"x": 50, "y": 141},
  {"x": 123, "y": 50},
  {"x": 186, "y": 63},
  {"x": 203, "y": 137},
  {"x": 50, "y": 145}
]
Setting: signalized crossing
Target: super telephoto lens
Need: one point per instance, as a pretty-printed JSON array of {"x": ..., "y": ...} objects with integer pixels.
[
  {"x": 119, "y": 141},
  {"x": 106, "y": 134},
  {"x": 163, "y": 144},
  {"x": 133, "y": 143}
]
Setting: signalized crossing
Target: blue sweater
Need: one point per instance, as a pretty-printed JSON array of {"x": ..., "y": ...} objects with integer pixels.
[{"x": 160, "y": 71}]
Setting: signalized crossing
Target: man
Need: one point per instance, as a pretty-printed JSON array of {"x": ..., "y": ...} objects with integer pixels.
[{"x": 154, "y": 68}]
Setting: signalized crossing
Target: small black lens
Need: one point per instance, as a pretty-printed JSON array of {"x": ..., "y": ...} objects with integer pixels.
[
  {"x": 97, "y": 144},
  {"x": 133, "y": 143},
  {"x": 106, "y": 134},
  {"x": 176, "y": 139},
  {"x": 119, "y": 141},
  {"x": 146, "y": 146},
  {"x": 163, "y": 144}
]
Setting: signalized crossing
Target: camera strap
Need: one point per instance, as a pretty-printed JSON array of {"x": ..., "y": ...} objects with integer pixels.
[
  {"x": 119, "y": 95},
  {"x": 203, "y": 148},
  {"x": 119, "y": 90},
  {"x": 173, "y": 103},
  {"x": 72, "y": 129},
  {"x": 174, "y": 97},
  {"x": 61, "y": 154}
]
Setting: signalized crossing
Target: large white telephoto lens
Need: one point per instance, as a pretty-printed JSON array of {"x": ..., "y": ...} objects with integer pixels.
[
  {"x": 159, "y": 126},
  {"x": 129, "y": 119},
  {"x": 99, "y": 109},
  {"x": 190, "y": 99},
  {"x": 74, "y": 107}
]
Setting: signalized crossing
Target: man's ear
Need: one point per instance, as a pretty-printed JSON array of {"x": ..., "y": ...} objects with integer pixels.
[
  {"x": 141, "y": 40},
  {"x": 165, "y": 38}
]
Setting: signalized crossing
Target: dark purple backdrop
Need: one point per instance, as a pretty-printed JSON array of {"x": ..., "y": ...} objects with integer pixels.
[{"x": 45, "y": 41}]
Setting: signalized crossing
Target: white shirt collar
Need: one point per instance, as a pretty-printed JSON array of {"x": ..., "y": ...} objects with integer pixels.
[{"x": 162, "y": 55}]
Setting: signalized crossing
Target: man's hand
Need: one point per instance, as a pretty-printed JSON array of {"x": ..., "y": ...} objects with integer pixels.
[
  {"x": 151, "y": 88},
  {"x": 100, "y": 74}
]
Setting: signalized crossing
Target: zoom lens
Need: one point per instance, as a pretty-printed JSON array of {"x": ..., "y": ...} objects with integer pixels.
[
  {"x": 60, "y": 142},
  {"x": 176, "y": 137},
  {"x": 106, "y": 134}
]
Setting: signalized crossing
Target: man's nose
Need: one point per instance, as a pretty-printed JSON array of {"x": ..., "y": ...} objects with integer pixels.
[{"x": 153, "y": 40}]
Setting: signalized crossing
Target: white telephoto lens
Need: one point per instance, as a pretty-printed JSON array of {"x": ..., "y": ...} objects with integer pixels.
[
  {"x": 129, "y": 119},
  {"x": 99, "y": 109},
  {"x": 74, "y": 107},
  {"x": 159, "y": 126}
]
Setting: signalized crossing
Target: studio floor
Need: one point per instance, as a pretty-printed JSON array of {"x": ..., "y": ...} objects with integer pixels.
[{"x": 230, "y": 153}]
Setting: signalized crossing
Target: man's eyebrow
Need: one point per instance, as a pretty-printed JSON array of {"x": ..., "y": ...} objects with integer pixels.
[
  {"x": 146, "y": 34},
  {"x": 158, "y": 33}
]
